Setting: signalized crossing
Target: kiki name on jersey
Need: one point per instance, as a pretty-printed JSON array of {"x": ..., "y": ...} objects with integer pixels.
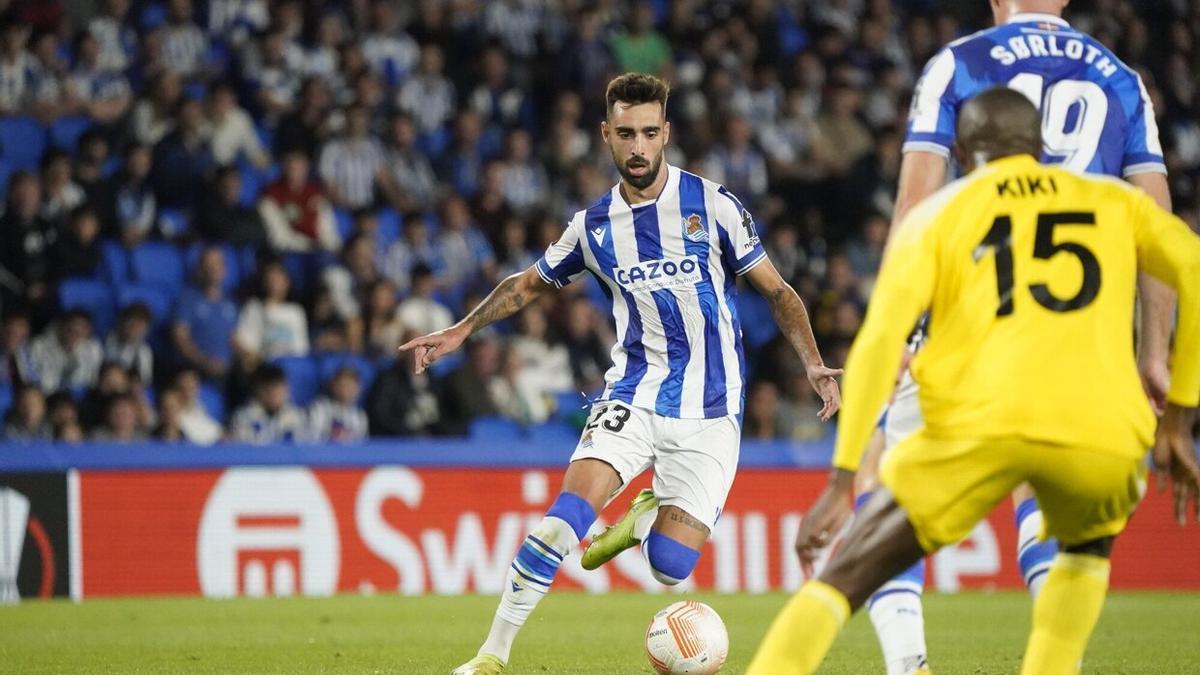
[
  {"x": 1032, "y": 46},
  {"x": 1026, "y": 186}
]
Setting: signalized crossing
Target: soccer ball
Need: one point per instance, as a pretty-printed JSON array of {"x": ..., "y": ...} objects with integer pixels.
[{"x": 687, "y": 637}]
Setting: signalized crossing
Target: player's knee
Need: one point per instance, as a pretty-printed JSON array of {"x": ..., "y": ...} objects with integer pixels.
[
  {"x": 670, "y": 561},
  {"x": 1101, "y": 547},
  {"x": 574, "y": 511}
]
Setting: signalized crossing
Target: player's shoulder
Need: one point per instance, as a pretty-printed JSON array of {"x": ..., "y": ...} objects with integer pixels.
[
  {"x": 721, "y": 197},
  {"x": 937, "y": 207}
]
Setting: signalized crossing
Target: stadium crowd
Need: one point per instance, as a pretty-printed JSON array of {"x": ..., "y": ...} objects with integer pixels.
[{"x": 221, "y": 217}]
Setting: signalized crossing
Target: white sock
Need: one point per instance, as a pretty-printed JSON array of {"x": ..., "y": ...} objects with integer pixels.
[
  {"x": 900, "y": 626},
  {"x": 528, "y": 580},
  {"x": 1034, "y": 557},
  {"x": 641, "y": 526}
]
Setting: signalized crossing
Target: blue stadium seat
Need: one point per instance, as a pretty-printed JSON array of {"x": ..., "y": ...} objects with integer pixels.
[
  {"x": 233, "y": 264},
  {"x": 174, "y": 223},
  {"x": 158, "y": 263},
  {"x": 494, "y": 429},
  {"x": 213, "y": 401},
  {"x": 433, "y": 143},
  {"x": 302, "y": 378},
  {"x": 158, "y": 299},
  {"x": 302, "y": 269},
  {"x": 114, "y": 263},
  {"x": 66, "y": 132},
  {"x": 22, "y": 142},
  {"x": 330, "y": 362},
  {"x": 344, "y": 222},
  {"x": 758, "y": 326},
  {"x": 554, "y": 434},
  {"x": 389, "y": 228},
  {"x": 446, "y": 365},
  {"x": 94, "y": 297},
  {"x": 6, "y": 398}
]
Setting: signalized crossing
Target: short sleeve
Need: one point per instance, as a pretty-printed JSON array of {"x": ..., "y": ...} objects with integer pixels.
[
  {"x": 931, "y": 118},
  {"x": 562, "y": 262},
  {"x": 741, "y": 247},
  {"x": 1143, "y": 151}
]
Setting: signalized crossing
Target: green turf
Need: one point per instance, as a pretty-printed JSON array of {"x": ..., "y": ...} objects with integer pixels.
[{"x": 570, "y": 633}]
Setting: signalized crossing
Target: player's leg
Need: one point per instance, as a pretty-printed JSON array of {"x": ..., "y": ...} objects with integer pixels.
[
  {"x": 936, "y": 491},
  {"x": 605, "y": 459},
  {"x": 896, "y": 610},
  {"x": 1086, "y": 498},
  {"x": 1034, "y": 556}
]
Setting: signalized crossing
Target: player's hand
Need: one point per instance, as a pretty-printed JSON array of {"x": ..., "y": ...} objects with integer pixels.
[
  {"x": 1175, "y": 458},
  {"x": 825, "y": 519},
  {"x": 434, "y": 346},
  {"x": 824, "y": 382},
  {"x": 1156, "y": 381}
]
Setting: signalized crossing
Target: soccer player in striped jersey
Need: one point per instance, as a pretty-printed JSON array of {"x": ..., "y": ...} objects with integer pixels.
[
  {"x": 667, "y": 246},
  {"x": 1096, "y": 117}
]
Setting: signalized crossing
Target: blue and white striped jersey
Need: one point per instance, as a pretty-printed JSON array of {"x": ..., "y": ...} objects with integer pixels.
[
  {"x": 1096, "y": 114},
  {"x": 669, "y": 266}
]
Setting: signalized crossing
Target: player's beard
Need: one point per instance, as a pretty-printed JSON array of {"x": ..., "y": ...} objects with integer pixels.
[{"x": 645, "y": 180}]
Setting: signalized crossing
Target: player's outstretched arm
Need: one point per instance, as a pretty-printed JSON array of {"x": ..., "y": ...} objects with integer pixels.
[
  {"x": 921, "y": 174},
  {"x": 505, "y": 300},
  {"x": 792, "y": 318}
]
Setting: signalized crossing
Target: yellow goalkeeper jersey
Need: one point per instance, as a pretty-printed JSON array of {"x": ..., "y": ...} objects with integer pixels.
[{"x": 1029, "y": 275}]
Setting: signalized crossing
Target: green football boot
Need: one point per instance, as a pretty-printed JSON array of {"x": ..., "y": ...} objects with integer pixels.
[
  {"x": 484, "y": 664},
  {"x": 616, "y": 538}
]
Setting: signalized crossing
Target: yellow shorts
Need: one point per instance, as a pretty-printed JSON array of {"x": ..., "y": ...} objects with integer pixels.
[{"x": 948, "y": 485}]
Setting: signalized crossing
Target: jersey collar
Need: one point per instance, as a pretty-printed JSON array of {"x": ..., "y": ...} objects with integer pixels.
[{"x": 1038, "y": 17}]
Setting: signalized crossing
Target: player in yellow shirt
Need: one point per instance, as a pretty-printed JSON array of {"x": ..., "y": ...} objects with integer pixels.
[{"x": 1029, "y": 275}]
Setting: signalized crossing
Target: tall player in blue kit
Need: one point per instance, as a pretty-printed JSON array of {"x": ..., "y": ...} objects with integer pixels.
[
  {"x": 667, "y": 247},
  {"x": 1097, "y": 118}
]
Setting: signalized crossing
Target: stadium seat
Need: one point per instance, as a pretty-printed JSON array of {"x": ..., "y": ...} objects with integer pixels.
[
  {"x": 22, "y": 142},
  {"x": 330, "y": 362},
  {"x": 302, "y": 269},
  {"x": 94, "y": 297},
  {"x": 158, "y": 263},
  {"x": 446, "y": 365},
  {"x": 156, "y": 298},
  {"x": 173, "y": 223},
  {"x": 344, "y": 222},
  {"x": 213, "y": 401},
  {"x": 302, "y": 377},
  {"x": 554, "y": 434},
  {"x": 66, "y": 132},
  {"x": 494, "y": 429},
  {"x": 6, "y": 398},
  {"x": 758, "y": 326},
  {"x": 433, "y": 143},
  {"x": 114, "y": 263},
  {"x": 389, "y": 228}
]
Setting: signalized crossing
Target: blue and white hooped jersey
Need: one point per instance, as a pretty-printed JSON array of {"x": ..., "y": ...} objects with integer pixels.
[
  {"x": 1096, "y": 114},
  {"x": 670, "y": 267}
]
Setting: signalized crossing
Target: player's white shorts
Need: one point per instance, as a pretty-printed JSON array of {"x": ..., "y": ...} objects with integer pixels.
[
  {"x": 694, "y": 460},
  {"x": 904, "y": 414}
]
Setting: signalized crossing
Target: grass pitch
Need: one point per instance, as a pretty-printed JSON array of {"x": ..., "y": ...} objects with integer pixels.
[{"x": 971, "y": 633}]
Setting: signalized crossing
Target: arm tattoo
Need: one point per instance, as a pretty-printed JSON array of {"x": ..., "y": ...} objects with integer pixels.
[
  {"x": 792, "y": 318},
  {"x": 504, "y": 301}
]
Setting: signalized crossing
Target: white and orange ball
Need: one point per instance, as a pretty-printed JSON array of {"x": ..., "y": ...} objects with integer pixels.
[{"x": 687, "y": 637}]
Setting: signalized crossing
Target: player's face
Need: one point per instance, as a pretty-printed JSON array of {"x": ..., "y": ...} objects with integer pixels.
[{"x": 636, "y": 135}]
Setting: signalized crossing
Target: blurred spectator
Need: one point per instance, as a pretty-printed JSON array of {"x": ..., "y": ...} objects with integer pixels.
[
  {"x": 402, "y": 404},
  {"x": 127, "y": 345},
  {"x": 587, "y": 349},
  {"x": 348, "y": 283},
  {"x": 428, "y": 95},
  {"x": 112, "y": 381},
  {"x": 28, "y": 86},
  {"x": 337, "y": 416},
  {"x": 514, "y": 245},
  {"x": 462, "y": 164},
  {"x": 27, "y": 420},
  {"x": 269, "y": 417},
  {"x": 391, "y": 52},
  {"x": 266, "y": 70},
  {"x": 17, "y": 366},
  {"x": 67, "y": 355},
  {"x": 94, "y": 165},
  {"x": 121, "y": 422},
  {"x": 170, "y": 416},
  {"x": 184, "y": 45},
  {"x": 466, "y": 256},
  {"x": 405, "y": 254},
  {"x": 321, "y": 59},
  {"x": 525, "y": 181},
  {"x": 737, "y": 164},
  {"x": 420, "y": 312},
  {"x": 865, "y": 252},
  {"x": 182, "y": 159},
  {"x": 205, "y": 319},
  {"x": 233, "y": 132},
  {"x": 77, "y": 251},
  {"x": 412, "y": 171},
  {"x": 547, "y": 365},
  {"x": 518, "y": 392},
  {"x": 353, "y": 167},
  {"x": 197, "y": 425},
  {"x": 841, "y": 139},
  {"x": 381, "y": 330},
  {"x": 222, "y": 217},
  {"x": 60, "y": 194},
  {"x": 496, "y": 98},
  {"x": 117, "y": 39},
  {"x": 762, "y": 412},
  {"x": 467, "y": 392},
  {"x": 642, "y": 48},
  {"x": 154, "y": 116},
  {"x": 270, "y": 326},
  {"x": 26, "y": 240},
  {"x": 93, "y": 88},
  {"x": 136, "y": 209},
  {"x": 294, "y": 208},
  {"x": 588, "y": 64},
  {"x": 307, "y": 128}
]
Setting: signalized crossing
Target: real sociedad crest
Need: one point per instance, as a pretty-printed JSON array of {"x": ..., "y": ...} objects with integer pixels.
[{"x": 693, "y": 228}]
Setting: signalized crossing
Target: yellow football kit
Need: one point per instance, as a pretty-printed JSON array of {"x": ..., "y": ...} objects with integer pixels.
[{"x": 1029, "y": 276}]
